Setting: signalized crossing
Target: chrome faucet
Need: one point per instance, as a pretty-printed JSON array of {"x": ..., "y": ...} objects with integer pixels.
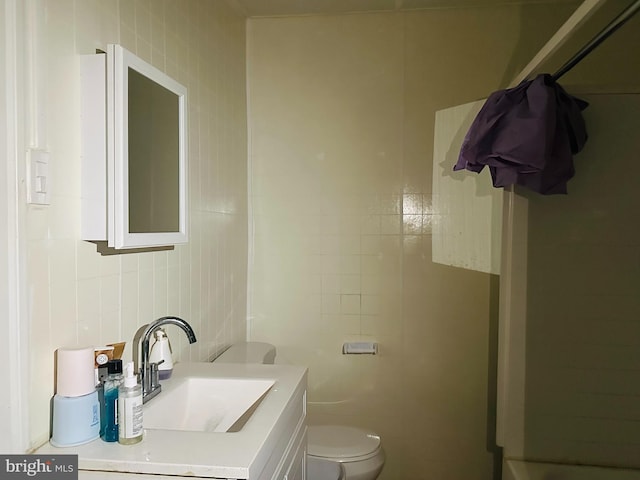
[{"x": 149, "y": 371}]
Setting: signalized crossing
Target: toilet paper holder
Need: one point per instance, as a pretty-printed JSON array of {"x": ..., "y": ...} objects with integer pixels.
[{"x": 359, "y": 348}]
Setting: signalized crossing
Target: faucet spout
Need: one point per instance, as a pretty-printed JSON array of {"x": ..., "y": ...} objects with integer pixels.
[{"x": 150, "y": 386}]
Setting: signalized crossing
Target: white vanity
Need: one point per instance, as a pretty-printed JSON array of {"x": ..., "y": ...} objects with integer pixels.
[{"x": 263, "y": 437}]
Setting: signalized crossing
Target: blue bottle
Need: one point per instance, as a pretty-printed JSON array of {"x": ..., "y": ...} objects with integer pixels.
[{"x": 110, "y": 431}]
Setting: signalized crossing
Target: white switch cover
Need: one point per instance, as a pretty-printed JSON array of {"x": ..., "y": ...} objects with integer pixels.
[{"x": 38, "y": 185}]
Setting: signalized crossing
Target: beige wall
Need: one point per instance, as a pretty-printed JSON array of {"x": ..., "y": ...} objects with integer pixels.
[
  {"x": 341, "y": 139},
  {"x": 77, "y": 297}
]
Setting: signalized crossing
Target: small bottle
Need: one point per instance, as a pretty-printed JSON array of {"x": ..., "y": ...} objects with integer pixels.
[
  {"x": 161, "y": 354},
  {"x": 130, "y": 408},
  {"x": 102, "y": 373},
  {"x": 103, "y": 415},
  {"x": 110, "y": 391}
]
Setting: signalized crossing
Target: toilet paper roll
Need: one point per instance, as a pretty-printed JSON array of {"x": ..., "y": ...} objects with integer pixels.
[{"x": 75, "y": 374}]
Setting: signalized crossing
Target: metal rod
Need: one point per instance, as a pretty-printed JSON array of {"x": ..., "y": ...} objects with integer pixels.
[
  {"x": 579, "y": 17},
  {"x": 615, "y": 24}
]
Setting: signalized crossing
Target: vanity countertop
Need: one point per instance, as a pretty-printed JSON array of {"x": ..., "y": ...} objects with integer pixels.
[{"x": 239, "y": 455}]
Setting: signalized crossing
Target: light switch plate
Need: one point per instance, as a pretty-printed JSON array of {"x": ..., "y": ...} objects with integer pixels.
[{"x": 38, "y": 185}]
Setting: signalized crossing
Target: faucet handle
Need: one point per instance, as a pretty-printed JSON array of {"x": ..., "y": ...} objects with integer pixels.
[{"x": 155, "y": 378}]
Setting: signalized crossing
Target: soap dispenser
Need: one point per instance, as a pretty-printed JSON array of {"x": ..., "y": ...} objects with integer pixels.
[
  {"x": 130, "y": 408},
  {"x": 161, "y": 354}
]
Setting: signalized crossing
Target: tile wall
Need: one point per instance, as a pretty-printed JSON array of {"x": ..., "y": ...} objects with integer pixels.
[
  {"x": 76, "y": 296},
  {"x": 341, "y": 141},
  {"x": 583, "y": 275}
]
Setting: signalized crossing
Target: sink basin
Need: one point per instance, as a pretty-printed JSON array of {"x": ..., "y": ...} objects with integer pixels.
[{"x": 205, "y": 404}]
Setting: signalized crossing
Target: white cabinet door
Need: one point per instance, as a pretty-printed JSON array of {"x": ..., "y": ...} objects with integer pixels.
[{"x": 298, "y": 467}]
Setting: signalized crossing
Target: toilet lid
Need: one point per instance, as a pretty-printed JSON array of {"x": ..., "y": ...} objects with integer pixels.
[{"x": 330, "y": 441}]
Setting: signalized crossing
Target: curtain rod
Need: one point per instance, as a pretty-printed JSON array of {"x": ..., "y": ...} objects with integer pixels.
[{"x": 615, "y": 24}]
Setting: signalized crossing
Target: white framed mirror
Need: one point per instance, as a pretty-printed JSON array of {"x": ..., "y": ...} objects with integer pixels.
[{"x": 135, "y": 132}]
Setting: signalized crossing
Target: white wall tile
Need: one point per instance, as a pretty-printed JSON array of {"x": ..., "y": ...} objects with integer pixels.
[
  {"x": 78, "y": 297},
  {"x": 582, "y": 303}
]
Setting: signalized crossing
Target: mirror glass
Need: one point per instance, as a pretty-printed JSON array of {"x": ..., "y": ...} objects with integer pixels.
[{"x": 153, "y": 167}]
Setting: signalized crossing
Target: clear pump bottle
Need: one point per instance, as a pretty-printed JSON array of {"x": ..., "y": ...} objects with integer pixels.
[{"x": 130, "y": 408}]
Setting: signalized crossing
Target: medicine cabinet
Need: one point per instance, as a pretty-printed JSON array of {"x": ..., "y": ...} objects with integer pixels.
[{"x": 134, "y": 152}]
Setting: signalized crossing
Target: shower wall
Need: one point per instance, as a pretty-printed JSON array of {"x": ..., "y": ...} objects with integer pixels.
[{"x": 583, "y": 306}]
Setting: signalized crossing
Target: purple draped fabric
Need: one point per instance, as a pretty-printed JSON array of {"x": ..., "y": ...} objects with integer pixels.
[{"x": 527, "y": 135}]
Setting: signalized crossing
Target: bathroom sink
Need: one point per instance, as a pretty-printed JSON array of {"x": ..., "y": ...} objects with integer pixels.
[{"x": 206, "y": 404}]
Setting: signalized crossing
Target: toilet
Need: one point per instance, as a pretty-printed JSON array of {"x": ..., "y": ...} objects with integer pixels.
[
  {"x": 356, "y": 450},
  {"x": 333, "y": 452}
]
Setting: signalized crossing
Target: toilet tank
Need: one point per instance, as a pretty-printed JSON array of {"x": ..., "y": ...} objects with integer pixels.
[{"x": 248, "y": 352}]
